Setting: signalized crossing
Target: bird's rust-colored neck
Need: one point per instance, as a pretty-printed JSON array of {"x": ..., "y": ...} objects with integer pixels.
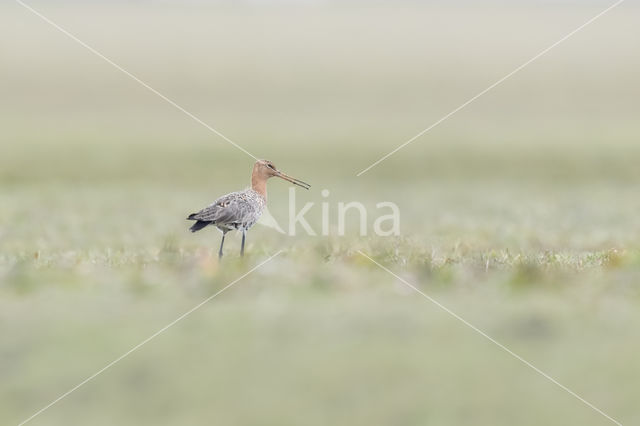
[{"x": 259, "y": 181}]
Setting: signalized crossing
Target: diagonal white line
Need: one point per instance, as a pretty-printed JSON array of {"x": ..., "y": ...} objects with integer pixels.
[
  {"x": 500, "y": 345},
  {"x": 138, "y": 80},
  {"x": 154, "y": 335},
  {"x": 515, "y": 71}
]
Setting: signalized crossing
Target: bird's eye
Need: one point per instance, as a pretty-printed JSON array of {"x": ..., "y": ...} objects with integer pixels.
[{"x": 271, "y": 166}]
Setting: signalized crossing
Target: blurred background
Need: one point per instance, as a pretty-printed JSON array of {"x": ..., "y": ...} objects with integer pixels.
[{"x": 520, "y": 212}]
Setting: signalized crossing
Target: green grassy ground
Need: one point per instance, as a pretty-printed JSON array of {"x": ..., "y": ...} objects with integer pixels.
[{"x": 520, "y": 214}]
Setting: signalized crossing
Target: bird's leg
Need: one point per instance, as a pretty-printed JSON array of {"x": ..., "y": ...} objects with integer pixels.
[
  {"x": 221, "y": 244},
  {"x": 244, "y": 232}
]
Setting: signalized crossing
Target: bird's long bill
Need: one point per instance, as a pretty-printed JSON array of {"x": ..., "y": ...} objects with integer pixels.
[{"x": 294, "y": 180}]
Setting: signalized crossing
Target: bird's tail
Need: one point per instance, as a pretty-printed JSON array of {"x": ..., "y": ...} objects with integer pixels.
[{"x": 199, "y": 225}]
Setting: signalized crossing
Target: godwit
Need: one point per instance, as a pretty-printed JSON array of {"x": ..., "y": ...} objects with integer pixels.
[{"x": 240, "y": 210}]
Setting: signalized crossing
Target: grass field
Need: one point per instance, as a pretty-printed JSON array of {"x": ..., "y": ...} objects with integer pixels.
[{"x": 520, "y": 214}]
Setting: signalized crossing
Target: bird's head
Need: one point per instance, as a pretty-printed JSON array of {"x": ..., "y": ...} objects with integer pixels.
[{"x": 264, "y": 169}]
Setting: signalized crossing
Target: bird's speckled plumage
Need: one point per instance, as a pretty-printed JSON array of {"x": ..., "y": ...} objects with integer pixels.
[{"x": 237, "y": 210}]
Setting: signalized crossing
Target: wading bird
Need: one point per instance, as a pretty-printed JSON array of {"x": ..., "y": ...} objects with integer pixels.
[{"x": 240, "y": 210}]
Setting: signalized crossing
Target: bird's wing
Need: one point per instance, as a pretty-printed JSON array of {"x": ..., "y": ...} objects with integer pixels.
[{"x": 230, "y": 208}]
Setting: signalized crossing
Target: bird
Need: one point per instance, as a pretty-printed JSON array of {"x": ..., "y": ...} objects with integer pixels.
[{"x": 241, "y": 209}]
